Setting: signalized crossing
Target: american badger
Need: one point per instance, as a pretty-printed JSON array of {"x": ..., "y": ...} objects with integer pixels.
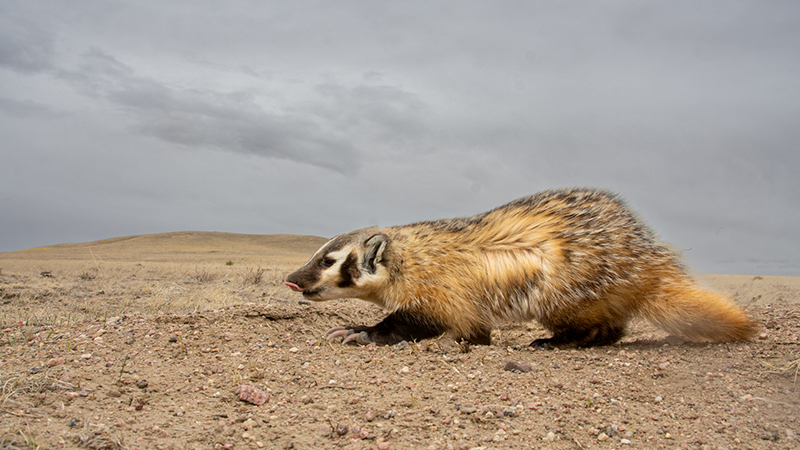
[{"x": 578, "y": 261}]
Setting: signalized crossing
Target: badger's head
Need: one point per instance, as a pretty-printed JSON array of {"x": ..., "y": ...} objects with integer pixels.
[{"x": 350, "y": 265}]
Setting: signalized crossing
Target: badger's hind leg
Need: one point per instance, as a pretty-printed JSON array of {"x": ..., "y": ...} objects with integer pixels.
[
  {"x": 601, "y": 334},
  {"x": 586, "y": 324},
  {"x": 396, "y": 327}
]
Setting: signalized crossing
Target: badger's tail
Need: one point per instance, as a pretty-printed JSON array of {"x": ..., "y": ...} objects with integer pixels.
[{"x": 687, "y": 310}]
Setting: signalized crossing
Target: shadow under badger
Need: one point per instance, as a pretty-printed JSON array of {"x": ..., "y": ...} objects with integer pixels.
[{"x": 578, "y": 261}]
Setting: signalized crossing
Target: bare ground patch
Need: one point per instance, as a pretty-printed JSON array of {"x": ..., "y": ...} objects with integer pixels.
[{"x": 141, "y": 354}]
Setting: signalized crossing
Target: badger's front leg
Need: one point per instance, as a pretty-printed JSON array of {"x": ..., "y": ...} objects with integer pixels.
[{"x": 396, "y": 327}]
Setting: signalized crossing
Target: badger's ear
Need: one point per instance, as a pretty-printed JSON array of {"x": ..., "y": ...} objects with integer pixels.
[{"x": 373, "y": 253}]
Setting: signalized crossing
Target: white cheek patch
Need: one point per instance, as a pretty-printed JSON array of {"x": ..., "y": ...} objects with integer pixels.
[{"x": 331, "y": 275}]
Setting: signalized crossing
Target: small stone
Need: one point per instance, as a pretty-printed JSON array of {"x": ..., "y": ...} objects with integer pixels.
[
  {"x": 141, "y": 384},
  {"x": 369, "y": 416},
  {"x": 52, "y": 362},
  {"x": 658, "y": 399},
  {"x": 248, "y": 424},
  {"x": 249, "y": 393},
  {"x": 383, "y": 446},
  {"x": 625, "y": 441},
  {"x": 770, "y": 436},
  {"x": 468, "y": 409},
  {"x": 514, "y": 366},
  {"x": 173, "y": 339},
  {"x": 551, "y": 437},
  {"x": 341, "y": 430},
  {"x": 602, "y": 437}
]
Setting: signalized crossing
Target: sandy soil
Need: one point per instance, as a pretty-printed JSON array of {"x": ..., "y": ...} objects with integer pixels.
[{"x": 137, "y": 346}]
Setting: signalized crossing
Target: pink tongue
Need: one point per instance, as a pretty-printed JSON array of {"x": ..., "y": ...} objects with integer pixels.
[{"x": 293, "y": 287}]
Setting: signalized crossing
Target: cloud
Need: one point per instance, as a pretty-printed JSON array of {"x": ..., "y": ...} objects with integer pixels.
[
  {"x": 26, "y": 109},
  {"x": 193, "y": 117},
  {"x": 338, "y": 127},
  {"x": 24, "y": 46}
]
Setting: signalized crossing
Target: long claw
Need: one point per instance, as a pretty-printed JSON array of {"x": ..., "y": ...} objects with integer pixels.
[
  {"x": 361, "y": 338},
  {"x": 334, "y": 333}
]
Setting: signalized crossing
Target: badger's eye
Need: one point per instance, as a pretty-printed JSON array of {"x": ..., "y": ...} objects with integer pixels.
[{"x": 327, "y": 261}]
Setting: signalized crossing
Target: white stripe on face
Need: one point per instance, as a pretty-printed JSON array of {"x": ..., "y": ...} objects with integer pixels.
[{"x": 317, "y": 252}]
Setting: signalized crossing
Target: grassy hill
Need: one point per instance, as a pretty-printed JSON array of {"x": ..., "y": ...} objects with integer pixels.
[
  {"x": 180, "y": 247},
  {"x": 167, "y": 272}
]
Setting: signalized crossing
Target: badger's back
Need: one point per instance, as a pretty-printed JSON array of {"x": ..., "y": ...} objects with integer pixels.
[{"x": 528, "y": 258}]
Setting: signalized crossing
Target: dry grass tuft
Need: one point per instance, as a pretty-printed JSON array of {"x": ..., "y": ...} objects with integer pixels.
[
  {"x": 76, "y": 293},
  {"x": 203, "y": 275}
]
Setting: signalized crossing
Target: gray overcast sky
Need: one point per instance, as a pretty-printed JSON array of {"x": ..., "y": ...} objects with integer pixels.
[{"x": 134, "y": 117}]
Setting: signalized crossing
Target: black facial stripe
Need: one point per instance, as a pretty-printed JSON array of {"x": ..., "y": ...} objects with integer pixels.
[
  {"x": 336, "y": 244},
  {"x": 349, "y": 271}
]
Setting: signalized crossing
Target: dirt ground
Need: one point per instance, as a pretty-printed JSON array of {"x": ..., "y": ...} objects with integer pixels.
[{"x": 116, "y": 348}]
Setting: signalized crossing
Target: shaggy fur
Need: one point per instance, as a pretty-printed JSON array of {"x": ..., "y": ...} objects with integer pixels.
[{"x": 578, "y": 261}]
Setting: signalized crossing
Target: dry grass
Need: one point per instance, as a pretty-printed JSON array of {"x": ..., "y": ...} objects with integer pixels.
[
  {"x": 124, "y": 289},
  {"x": 167, "y": 273}
]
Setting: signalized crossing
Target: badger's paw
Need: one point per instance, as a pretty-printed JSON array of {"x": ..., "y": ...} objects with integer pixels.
[
  {"x": 349, "y": 336},
  {"x": 396, "y": 327},
  {"x": 337, "y": 332}
]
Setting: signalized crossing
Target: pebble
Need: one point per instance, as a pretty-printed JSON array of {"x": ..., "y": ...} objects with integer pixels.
[
  {"x": 468, "y": 409},
  {"x": 250, "y": 394},
  {"x": 517, "y": 367},
  {"x": 248, "y": 424},
  {"x": 54, "y": 362}
]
